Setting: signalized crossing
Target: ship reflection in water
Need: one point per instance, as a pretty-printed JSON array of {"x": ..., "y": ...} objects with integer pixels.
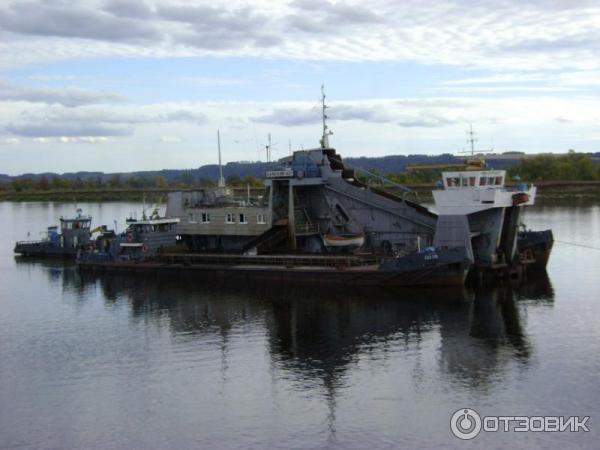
[
  {"x": 235, "y": 359},
  {"x": 316, "y": 334}
]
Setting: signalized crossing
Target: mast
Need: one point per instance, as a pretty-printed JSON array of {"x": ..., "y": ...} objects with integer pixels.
[
  {"x": 471, "y": 140},
  {"x": 268, "y": 148},
  {"x": 221, "y": 182},
  {"x": 326, "y": 131}
]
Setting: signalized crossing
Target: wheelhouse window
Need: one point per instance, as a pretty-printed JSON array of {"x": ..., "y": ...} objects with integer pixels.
[
  {"x": 498, "y": 181},
  {"x": 260, "y": 218},
  {"x": 229, "y": 218},
  {"x": 482, "y": 181},
  {"x": 191, "y": 218},
  {"x": 243, "y": 218},
  {"x": 472, "y": 181},
  {"x": 205, "y": 217}
]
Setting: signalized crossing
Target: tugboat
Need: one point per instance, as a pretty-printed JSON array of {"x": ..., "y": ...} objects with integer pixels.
[
  {"x": 74, "y": 234},
  {"x": 143, "y": 239}
]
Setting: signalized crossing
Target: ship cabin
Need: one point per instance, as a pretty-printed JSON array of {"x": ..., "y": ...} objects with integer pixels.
[
  {"x": 74, "y": 231},
  {"x": 146, "y": 237},
  {"x": 219, "y": 219},
  {"x": 485, "y": 179},
  {"x": 465, "y": 192}
]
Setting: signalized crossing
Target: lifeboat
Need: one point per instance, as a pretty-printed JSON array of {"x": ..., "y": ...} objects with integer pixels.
[{"x": 343, "y": 240}]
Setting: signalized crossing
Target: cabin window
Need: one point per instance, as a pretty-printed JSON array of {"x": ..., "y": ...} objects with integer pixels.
[
  {"x": 243, "y": 218},
  {"x": 464, "y": 182},
  {"x": 454, "y": 181},
  {"x": 260, "y": 218},
  {"x": 192, "y": 219},
  {"x": 472, "y": 181},
  {"x": 482, "y": 181},
  {"x": 498, "y": 181},
  {"x": 205, "y": 218},
  {"x": 490, "y": 181},
  {"x": 229, "y": 218}
]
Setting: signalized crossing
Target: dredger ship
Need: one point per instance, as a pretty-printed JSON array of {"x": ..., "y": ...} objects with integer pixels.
[{"x": 316, "y": 221}]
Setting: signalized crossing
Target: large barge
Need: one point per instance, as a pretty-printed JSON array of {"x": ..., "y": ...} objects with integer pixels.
[{"x": 315, "y": 220}]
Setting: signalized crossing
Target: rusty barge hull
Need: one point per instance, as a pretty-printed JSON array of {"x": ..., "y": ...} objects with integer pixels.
[{"x": 363, "y": 276}]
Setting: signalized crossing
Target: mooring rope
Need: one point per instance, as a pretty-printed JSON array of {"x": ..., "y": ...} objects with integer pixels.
[{"x": 575, "y": 244}]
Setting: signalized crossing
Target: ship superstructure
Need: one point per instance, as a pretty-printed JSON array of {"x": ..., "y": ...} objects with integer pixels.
[
  {"x": 478, "y": 211},
  {"x": 312, "y": 204}
]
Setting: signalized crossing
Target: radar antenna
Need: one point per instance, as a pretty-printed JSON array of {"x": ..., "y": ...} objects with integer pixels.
[
  {"x": 473, "y": 160},
  {"x": 326, "y": 131}
]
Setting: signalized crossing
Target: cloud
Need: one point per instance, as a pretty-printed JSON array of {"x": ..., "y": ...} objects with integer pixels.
[
  {"x": 70, "y": 97},
  {"x": 11, "y": 141},
  {"x": 426, "y": 120},
  {"x": 373, "y": 114},
  {"x": 129, "y": 8},
  {"x": 46, "y": 130},
  {"x": 183, "y": 116},
  {"x": 370, "y": 113},
  {"x": 170, "y": 139},
  {"x": 70, "y": 20},
  {"x": 87, "y": 122},
  {"x": 290, "y": 117},
  {"x": 529, "y": 80},
  {"x": 219, "y": 28},
  {"x": 493, "y": 34},
  {"x": 83, "y": 140},
  {"x": 562, "y": 119},
  {"x": 316, "y": 16}
]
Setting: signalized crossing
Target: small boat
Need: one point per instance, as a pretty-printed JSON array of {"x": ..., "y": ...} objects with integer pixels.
[
  {"x": 142, "y": 239},
  {"x": 74, "y": 234},
  {"x": 343, "y": 240}
]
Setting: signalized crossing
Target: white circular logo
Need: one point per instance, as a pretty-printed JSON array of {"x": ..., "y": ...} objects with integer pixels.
[{"x": 465, "y": 423}]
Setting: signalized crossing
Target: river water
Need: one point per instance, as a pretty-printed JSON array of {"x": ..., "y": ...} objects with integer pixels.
[{"x": 136, "y": 362}]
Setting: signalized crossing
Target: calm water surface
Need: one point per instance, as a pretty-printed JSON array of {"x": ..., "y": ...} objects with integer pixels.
[{"x": 137, "y": 362}]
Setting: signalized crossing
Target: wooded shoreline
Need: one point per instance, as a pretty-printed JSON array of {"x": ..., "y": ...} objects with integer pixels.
[{"x": 550, "y": 189}]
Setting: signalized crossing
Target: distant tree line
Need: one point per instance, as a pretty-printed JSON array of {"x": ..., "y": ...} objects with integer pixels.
[
  {"x": 186, "y": 180},
  {"x": 571, "y": 167}
]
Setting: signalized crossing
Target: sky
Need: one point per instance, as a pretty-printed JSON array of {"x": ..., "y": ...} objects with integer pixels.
[{"x": 125, "y": 85}]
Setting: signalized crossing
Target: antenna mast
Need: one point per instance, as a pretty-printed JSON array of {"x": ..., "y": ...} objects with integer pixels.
[
  {"x": 326, "y": 131},
  {"x": 471, "y": 140},
  {"x": 221, "y": 182}
]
